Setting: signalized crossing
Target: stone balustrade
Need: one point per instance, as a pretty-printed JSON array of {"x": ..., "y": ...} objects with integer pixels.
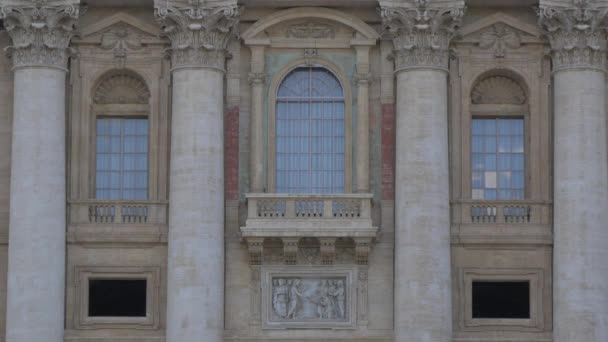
[
  {"x": 501, "y": 212},
  {"x": 106, "y": 212},
  {"x": 340, "y": 215}
]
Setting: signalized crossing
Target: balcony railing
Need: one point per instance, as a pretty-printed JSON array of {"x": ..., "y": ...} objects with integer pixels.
[
  {"x": 105, "y": 212},
  {"x": 501, "y": 212},
  {"x": 308, "y": 215}
]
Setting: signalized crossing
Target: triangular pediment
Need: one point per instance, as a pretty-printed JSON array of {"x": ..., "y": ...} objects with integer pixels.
[
  {"x": 143, "y": 29},
  {"x": 527, "y": 30}
]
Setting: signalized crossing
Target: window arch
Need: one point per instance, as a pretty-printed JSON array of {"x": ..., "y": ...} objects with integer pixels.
[
  {"x": 499, "y": 108},
  {"x": 310, "y": 132},
  {"x": 121, "y": 107}
]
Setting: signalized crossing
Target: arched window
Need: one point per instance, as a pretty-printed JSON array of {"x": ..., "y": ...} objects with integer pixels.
[
  {"x": 121, "y": 137},
  {"x": 310, "y": 132}
]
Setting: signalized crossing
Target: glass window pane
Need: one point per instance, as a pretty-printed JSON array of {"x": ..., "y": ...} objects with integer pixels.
[
  {"x": 497, "y": 145},
  {"x": 121, "y": 158},
  {"x": 310, "y": 132}
]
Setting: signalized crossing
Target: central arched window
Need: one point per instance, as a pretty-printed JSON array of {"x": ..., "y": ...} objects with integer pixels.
[{"x": 310, "y": 132}]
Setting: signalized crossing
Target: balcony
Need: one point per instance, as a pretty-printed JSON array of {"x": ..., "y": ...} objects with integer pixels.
[
  {"x": 521, "y": 221},
  {"x": 291, "y": 217},
  {"x": 117, "y": 221}
]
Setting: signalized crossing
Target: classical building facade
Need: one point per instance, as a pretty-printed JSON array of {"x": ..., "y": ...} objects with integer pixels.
[{"x": 304, "y": 170}]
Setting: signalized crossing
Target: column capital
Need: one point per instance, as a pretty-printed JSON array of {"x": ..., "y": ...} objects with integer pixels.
[
  {"x": 199, "y": 30},
  {"x": 40, "y": 31},
  {"x": 577, "y": 34},
  {"x": 421, "y": 32}
]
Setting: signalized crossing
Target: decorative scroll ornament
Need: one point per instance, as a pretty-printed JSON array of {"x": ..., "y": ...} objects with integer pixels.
[
  {"x": 421, "y": 35},
  {"x": 121, "y": 40},
  {"x": 311, "y": 30},
  {"x": 40, "y": 30},
  {"x": 199, "y": 35},
  {"x": 577, "y": 35},
  {"x": 499, "y": 38}
]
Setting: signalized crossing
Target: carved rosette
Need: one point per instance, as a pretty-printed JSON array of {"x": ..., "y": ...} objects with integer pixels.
[
  {"x": 40, "y": 31},
  {"x": 199, "y": 35},
  {"x": 577, "y": 35},
  {"x": 421, "y": 35}
]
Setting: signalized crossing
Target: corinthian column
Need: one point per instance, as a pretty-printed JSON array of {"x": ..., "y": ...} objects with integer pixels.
[
  {"x": 421, "y": 34},
  {"x": 580, "y": 259},
  {"x": 195, "y": 295},
  {"x": 40, "y": 32}
]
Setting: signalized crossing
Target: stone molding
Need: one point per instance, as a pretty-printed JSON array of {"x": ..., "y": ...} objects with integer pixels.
[
  {"x": 577, "y": 35},
  {"x": 199, "y": 34},
  {"x": 41, "y": 31},
  {"x": 421, "y": 34}
]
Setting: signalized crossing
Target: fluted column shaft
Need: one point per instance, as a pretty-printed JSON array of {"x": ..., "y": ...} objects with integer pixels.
[
  {"x": 580, "y": 305},
  {"x": 195, "y": 275},
  {"x": 36, "y": 252},
  {"x": 423, "y": 307}
]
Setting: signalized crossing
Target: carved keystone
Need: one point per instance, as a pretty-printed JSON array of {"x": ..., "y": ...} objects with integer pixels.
[
  {"x": 290, "y": 250},
  {"x": 328, "y": 250},
  {"x": 256, "y": 248}
]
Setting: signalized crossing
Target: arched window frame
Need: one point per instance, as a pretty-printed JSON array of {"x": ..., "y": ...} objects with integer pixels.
[
  {"x": 120, "y": 110},
  {"x": 494, "y": 110},
  {"x": 272, "y": 103}
]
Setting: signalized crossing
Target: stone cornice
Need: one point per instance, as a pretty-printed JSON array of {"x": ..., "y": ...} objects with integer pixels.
[
  {"x": 421, "y": 33},
  {"x": 199, "y": 33},
  {"x": 40, "y": 31},
  {"x": 577, "y": 35}
]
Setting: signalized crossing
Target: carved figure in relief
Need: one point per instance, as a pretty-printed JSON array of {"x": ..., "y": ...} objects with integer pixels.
[
  {"x": 280, "y": 297},
  {"x": 295, "y": 293},
  {"x": 338, "y": 297}
]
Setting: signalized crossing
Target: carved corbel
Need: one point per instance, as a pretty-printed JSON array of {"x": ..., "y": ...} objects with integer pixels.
[
  {"x": 290, "y": 250},
  {"x": 328, "y": 250},
  {"x": 421, "y": 33},
  {"x": 362, "y": 248},
  {"x": 255, "y": 246}
]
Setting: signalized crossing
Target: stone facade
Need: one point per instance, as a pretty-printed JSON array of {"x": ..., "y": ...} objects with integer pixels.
[{"x": 395, "y": 257}]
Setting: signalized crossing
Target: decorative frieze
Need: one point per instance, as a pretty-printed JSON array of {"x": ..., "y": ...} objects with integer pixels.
[
  {"x": 421, "y": 34},
  {"x": 199, "y": 34},
  {"x": 577, "y": 34},
  {"x": 40, "y": 31}
]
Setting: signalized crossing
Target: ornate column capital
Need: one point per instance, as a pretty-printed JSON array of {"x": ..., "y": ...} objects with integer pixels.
[
  {"x": 199, "y": 30},
  {"x": 577, "y": 34},
  {"x": 40, "y": 30},
  {"x": 421, "y": 32}
]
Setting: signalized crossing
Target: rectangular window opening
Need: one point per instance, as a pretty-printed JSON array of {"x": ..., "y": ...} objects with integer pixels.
[
  {"x": 497, "y": 159},
  {"x": 501, "y": 299},
  {"x": 117, "y": 297},
  {"x": 121, "y": 164}
]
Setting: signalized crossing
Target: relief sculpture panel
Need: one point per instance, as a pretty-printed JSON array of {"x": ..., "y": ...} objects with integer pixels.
[{"x": 308, "y": 297}]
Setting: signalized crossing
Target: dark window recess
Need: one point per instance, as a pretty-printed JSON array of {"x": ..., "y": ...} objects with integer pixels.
[
  {"x": 506, "y": 299},
  {"x": 117, "y": 298}
]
